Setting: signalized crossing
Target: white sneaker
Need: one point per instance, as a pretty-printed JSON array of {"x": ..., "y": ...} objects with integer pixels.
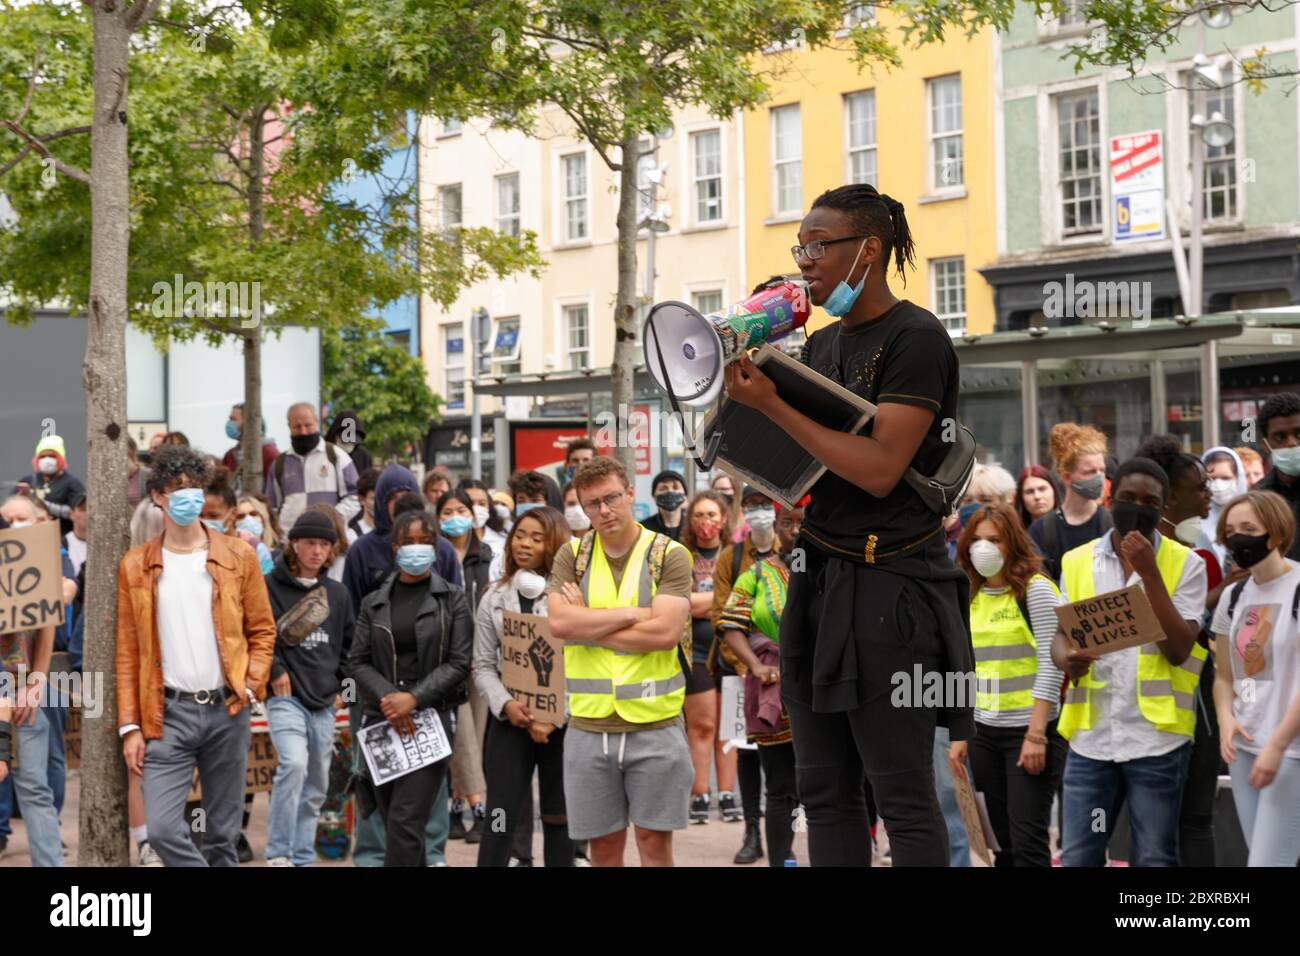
[
  {"x": 149, "y": 856},
  {"x": 441, "y": 863},
  {"x": 279, "y": 861},
  {"x": 581, "y": 861}
]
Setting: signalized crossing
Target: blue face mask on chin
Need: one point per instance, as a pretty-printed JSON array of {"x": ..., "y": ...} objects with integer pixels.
[{"x": 842, "y": 296}]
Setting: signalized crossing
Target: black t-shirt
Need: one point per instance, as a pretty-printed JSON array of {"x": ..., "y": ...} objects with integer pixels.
[
  {"x": 1068, "y": 536},
  {"x": 904, "y": 357},
  {"x": 407, "y": 599},
  {"x": 655, "y": 523}
]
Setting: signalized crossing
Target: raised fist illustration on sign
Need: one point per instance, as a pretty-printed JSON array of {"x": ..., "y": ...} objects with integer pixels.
[{"x": 542, "y": 657}]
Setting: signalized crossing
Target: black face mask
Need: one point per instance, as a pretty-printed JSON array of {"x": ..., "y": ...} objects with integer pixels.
[
  {"x": 1248, "y": 549},
  {"x": 1130, "y": 516},
  {"x": 303, "y": 444}
]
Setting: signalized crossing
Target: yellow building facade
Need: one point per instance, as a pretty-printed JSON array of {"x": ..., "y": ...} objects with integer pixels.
[{"x": 923, "y": 133}]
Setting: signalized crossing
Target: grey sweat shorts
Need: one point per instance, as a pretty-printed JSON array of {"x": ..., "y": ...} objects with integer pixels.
[{"x": 642, "y": 777}]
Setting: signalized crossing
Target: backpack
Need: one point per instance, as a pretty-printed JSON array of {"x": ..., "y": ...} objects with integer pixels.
[
  {"x": 278, "y": 467},
  {"x": 655, "y": 559},
  {"x": 1240, "y": 586}
]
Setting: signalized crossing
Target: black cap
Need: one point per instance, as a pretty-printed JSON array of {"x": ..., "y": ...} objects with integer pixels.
[
  {"x": 668, "y": 475},
  {"x": 314, "y": 524},
  {"x": 753, "y": 490}
]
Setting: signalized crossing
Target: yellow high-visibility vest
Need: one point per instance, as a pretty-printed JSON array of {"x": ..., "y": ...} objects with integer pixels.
[
  {"x": 1006, "y": 654},
  {"x": 641, "y": 688},
  {"x": 1166, "y": 692}
]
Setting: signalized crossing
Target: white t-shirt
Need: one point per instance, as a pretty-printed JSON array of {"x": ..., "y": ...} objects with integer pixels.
[
  {"x": 1264, "y": 647},
  {"x": 186, "y": 635},
  {"x": 76, "y": 552}
]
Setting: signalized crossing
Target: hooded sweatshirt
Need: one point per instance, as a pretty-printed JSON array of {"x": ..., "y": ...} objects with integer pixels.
[
  {"x": 1210, "y": 525},
  {"x": 370, "y": 558},
  {"x": 315, "y": 667}
]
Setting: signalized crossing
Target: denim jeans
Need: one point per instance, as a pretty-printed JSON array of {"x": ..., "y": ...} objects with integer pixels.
[
  {"x": 304, "y": 743},
  {"x": 58, "y": 762},
  {"x": 32, "y": 788},
  {"x": 1270, "y": 818},
  {"x": 958, "y": 841},
  {"x": 1153, "y": 790}
]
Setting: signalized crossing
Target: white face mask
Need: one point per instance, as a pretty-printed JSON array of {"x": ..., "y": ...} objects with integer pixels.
[
  {"x": 49, "y": 466},
  {"x": 529, "y": 583},
  {"x": 502, "y": 512},
  {"x": 1222, "y": 490},
  {"x": 986, "y": 558},
  {"x": 577, "y": 518},
  {"x": 760, "y": 519},
  {"x": 21, "y": 524},
  {"x": 1188, "y": 530},
  {"x": 481, "y": 515}
]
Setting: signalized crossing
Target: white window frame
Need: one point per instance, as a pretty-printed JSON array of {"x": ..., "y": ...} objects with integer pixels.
[
  {"x": 777, "y": 210},
  {"x": 696, "y": 289},
  {"x": 948, "y": 317},
  {"x": 937, "y": 186},
  {"x": 645, "y": 161},
  {"x": 858, "y": 14},
  {"x": 1049, "y": 28},
  {"x": 567, "y": 351},
  {"x": 502, "y": 365},
  {"x": 448, "y": 331},
  {"x": 849, "y": 149},
  {"x": 443, "y": 191},
  {"x": 795, "y": 42},
  {"x": 1052, "y": 166},
  {"x": 697, "y": 181},
  {"x": 506, "y": 217},
  {"x": 563, "y": 199},
  {"x": 450, "y": 127}
]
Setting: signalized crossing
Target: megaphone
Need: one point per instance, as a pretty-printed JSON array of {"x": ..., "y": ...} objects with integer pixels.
[{"x": 686, "y": 350}]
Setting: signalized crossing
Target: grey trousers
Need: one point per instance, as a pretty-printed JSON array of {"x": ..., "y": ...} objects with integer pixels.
[{"x": 218, "y": 743}]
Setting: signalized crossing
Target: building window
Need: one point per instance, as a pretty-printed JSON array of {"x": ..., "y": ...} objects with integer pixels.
[
  {"x": 505, "y": 349},
  {"x": 508, "y": 204},
  {"x": 450, "y": 126},
  {"x": 947, "y": 167},
  {"x": 1078, "y": 120},
  {"x": 707, "y": 302},
  {"x": 645, "y": 190},
  {"x": 1073, "y": 15},
  {"x": 575, "y": 196},
  {"x": 449, "y": 207},
  {"x": 453, "y": 337},
  {"x": 1219, "y": 185},
  {"x": 860, "y": 13},
  {"x": 787, "y": 160},
  {"x": 860, "y": 120},
  {"x": 706, "y": 147},
  {"x": 948, "y": 292},
  {"x": 577, "y": 336}
]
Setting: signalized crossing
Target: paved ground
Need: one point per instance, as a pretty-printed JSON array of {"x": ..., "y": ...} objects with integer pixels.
[{"x": 712, "y": 844}]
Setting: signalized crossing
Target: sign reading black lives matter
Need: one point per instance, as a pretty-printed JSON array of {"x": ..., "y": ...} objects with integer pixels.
[
  {"x": 532, "y": 665},
  {"x": 1110, "y": 622},
  {"x": 31, "y": 577}
]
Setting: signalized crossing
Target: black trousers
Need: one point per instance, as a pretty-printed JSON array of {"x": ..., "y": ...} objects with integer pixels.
[
  {"x": 1196, "y": 819},
  {"x": 404, "y": 806},
  {"x": 893, "y": 746},
  {"x": 782, "y": 799},
  {"x": 1019, "y": 803},
  {"x": 509, "y": 758},
  {"x": 749, "y": 774}
]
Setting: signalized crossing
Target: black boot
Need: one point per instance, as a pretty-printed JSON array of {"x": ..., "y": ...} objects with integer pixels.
[{"x": 751, "y": 851}]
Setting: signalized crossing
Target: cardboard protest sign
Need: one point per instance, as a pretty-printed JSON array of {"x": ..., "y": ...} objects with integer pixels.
[
  {"x": 1110, "y": 622},
  {"x": 259, "y": 772},
  {"x": 532, "y": 665},
  {"x": 731, "y": 727},
  {"x": 31, "y": 577},
  {"x": 977, "y": 825}
]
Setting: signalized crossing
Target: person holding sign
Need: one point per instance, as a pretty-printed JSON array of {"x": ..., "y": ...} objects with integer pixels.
[
  {"x": 517, "y": 740},
  {"x": 1257, "y": 687},
  {"x": 750, "y": 624},
  {"x": 620, "y": 599},
  {"x": 195, "y": 637},
  {"x": 1017, "y": 755},
  {"x": 411, "y": 649},
  {"x": 1129, "y": 715}
]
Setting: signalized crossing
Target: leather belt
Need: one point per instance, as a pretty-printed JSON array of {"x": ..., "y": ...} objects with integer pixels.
[{"x": 207, "y": 698}]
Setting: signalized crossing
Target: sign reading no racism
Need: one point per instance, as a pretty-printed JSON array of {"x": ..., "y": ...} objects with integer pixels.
[{"x": 31, "y": 578}]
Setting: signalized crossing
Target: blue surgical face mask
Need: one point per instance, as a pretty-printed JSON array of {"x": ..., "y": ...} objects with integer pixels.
[
  {"x": 526, "y": 506},
  {"x": 184, "y": 505},
  {"x": 250, "y": 524},
  {"x": 214, "y": 525},
  {"x": 456, "y": 526},
  {"x": 1287, "y": 460},
  {"x": 415, "y": 559},
  {"x": 842, "y": 297},
  {"x": 232, "y": 430}
]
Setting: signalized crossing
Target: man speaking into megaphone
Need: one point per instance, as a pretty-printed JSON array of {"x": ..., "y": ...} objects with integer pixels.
[{"x": 878, "y": 595}]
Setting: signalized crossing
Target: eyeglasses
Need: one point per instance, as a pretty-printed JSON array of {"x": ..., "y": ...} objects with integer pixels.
[
  {"x": 817, "y": 248},
  {"x": 611, "y": 502}
]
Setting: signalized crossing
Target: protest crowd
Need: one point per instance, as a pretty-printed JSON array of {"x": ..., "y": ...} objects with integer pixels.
[{"x": 352, "y": 608}]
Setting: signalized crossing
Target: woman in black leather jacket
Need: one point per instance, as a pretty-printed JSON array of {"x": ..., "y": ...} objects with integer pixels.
[{"x": 411, "y": 650}]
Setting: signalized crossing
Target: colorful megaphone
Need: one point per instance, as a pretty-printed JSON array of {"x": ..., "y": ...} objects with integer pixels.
[{"x": 686, "y": 351}]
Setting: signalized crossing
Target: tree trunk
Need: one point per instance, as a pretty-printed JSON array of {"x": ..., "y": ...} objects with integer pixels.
[
  {"x": 103, "y": 837},
  {"x": 621, "y": 372},
  {"x": 250, "y": 470}
]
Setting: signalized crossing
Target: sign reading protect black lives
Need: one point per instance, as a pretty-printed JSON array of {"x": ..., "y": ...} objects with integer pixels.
[
  {"x": 1110, "y": 622},
  {"x": 532, "y": 665},
  {"x": 31, "y": 578}
]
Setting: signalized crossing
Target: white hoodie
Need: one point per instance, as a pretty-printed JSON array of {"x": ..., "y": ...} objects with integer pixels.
[{"x": 1210, "y": 524}]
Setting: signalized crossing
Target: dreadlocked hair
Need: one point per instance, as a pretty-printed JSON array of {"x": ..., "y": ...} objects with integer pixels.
[{"x": 875, "y": 214}]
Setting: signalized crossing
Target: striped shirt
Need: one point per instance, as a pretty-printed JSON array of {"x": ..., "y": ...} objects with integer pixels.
[
  {"x": 1042, "y": 602},
  {"x": 311, "y": 480}
]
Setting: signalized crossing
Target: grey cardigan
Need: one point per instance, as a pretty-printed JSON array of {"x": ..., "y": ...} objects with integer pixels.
[{"x": 486, "y": 665}]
